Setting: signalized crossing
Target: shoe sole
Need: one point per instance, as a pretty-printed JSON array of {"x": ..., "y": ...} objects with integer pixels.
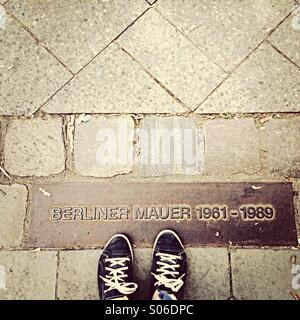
[
  {"x": 124, "y": 237},
  {"x": 166, "y": 231}
]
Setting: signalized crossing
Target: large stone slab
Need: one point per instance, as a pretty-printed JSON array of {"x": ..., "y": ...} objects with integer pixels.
[
  {"x": 287, "y": 37},
  {"x": 34, "y": 147},
  {"x": 12, "y": 214},
  {"x": 171, "y": 58},
  {"x": 265, "y": 274},
  {"x": 76, "y": 31},
  {"x": 227, "y": 31},
  {"x": 103, "y": 147},
  {"x": 29, "y": 75},
  {"x": 207, "y": 276},
  {"x": 170, "y": 145},
  {"x": 113, "y": 83},
  {"x": 85, "y": 214},
  {"x": 265, "y": 82},
  {"x": 28, "y": 275}
]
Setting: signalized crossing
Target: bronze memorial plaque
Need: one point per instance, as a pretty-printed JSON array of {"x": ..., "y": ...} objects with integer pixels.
[{"x": 88, "y": 214}]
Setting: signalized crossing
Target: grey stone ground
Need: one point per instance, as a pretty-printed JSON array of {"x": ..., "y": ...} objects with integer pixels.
[{"x": 229, "y": 70}]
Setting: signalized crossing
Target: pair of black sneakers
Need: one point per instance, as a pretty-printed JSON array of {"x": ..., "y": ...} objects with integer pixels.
[{"x": 168, "y": 269}]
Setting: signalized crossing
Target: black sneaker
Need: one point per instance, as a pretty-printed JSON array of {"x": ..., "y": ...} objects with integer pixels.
[
  {"x": 115, "y": 269},
  {"x": 169, "y": 267}
]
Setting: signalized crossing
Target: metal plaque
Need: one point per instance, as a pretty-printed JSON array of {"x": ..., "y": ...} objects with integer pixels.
[{"x": 88, "y": 214}]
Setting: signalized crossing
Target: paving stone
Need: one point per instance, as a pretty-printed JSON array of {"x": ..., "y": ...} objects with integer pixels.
[
  {"x": 208, "y": 275},
  {"x": 77, "y": 275},
  {"x": 228, "y": 30},
  {"x": 287, "y": 37},
  {"x": 170, "y": 145},
  {"x": 76, "y": 31},
  {"x": 103, "y": 146},
  {"x": 265, "y": 274},
  {"x": 28, "y": 275},
  {"x": 171, "y": 58},
  {"x": 297, "y": 206},
  {"x": 34, "y": 147},
  {"x": 12, "y": 214},
  {"x": 281, "y": 141},
  {"x": 231, "y": 147},
  {"x": 2, "y": 17},
  {"x": 265, "y": 82},
  {"x": 121, "y": 87},
  {"x": 29, "y": 75}
]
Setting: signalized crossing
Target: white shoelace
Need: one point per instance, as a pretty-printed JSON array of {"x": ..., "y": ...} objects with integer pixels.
[
  {"x": 116, "y": 277},
  {"x": 166, "y": 273}
]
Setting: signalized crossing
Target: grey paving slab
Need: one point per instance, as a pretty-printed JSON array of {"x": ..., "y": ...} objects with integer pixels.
[
  {"x": 103, "y": 147},
  {"x": 74, "y": 30},
  {"x": 231, "y": 146},
  {"x": 208, "y": 276},
  {"x": 227, "y": 30},
  {"x": 113, "y": 83},
  {"x": 265, "y": 274},
  {"x": 287, "y": 37},
  {"x": 77, "y": 275},
  {"x": 171, "y": 58},
  {"x": 297, "y": 207},
  {"x": 29, "y": 75},
  {"x": 2, "y": 17},
  {"x": 12, "y": 214},
  {"x": 265, "y": 82},
  {"x": 170, "y": 145},
  {"x": 27, "y": 275},
  {"x": 34, "y": 147},
  {"x": 281, "y": 142}
]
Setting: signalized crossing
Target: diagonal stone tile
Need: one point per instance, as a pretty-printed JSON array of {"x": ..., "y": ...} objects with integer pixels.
[
  {"x": 171, "y": 58},
  {"x": 113, "y": 83},
  {"x": 226, "y": 30},
  {"x": 266, "y": 82},
  {"x": 29, "y": 75},
  {"x": 77, "y": 30},
  {"x": 287, "y": 37}
]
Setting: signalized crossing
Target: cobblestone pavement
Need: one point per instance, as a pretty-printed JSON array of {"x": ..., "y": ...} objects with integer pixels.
[{"x": 228, "y": 70}]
